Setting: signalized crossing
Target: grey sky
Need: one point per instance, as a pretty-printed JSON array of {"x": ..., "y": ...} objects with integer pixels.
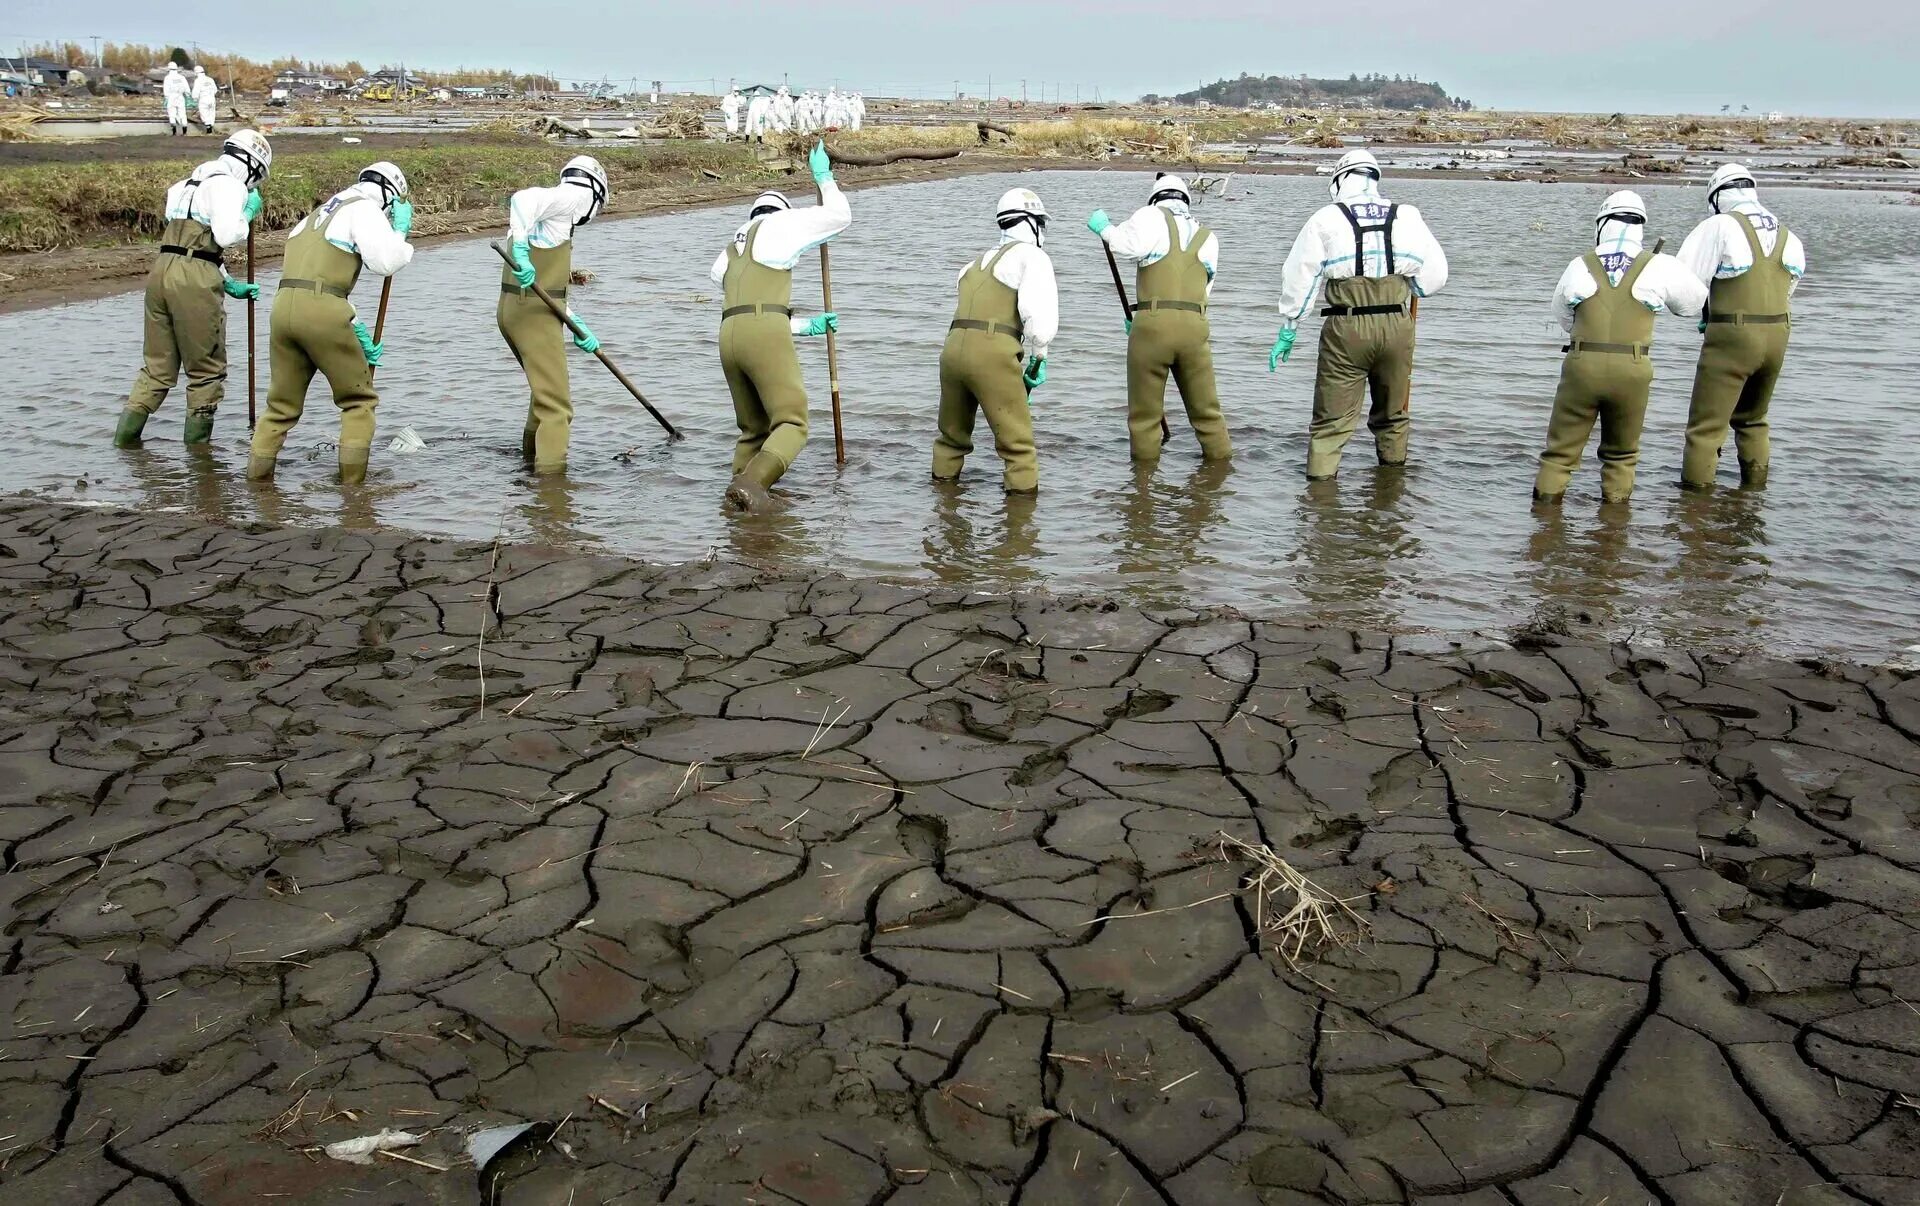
[{"x": 1851, "y": 58}]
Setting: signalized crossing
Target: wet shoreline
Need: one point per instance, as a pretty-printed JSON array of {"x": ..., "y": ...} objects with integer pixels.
[{"x": 786, "y": 881}]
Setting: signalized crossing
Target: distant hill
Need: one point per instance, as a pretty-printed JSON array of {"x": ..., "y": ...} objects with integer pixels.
[{"x": 1302, "y": 92}]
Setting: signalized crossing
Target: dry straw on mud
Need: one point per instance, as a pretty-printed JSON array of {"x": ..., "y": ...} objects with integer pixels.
[{"x": 1300, "y": 916}]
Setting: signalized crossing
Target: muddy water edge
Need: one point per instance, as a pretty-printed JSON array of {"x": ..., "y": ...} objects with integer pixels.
[{"x": 1449, "y": 546}]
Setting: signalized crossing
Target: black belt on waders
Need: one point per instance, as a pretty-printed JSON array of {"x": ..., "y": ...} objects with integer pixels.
[
  {"x": 211, "y": 257},
  {"x": 517, "y": 291},
  {"x": 1357, "y": 311},
  {"x": 1192, "y": 307},
  {"x": 978, "y": 324},
  {"x": 1615, "y": 349},
  {"x": 315, "y": 287},
  {"x": 1749, "y": 320},
  {"x": 762, "y": 308}
]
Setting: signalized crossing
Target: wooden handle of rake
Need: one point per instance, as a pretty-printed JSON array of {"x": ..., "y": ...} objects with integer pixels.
[
  {"x": 573, "y": 325},
  {"x": 833, "y": 359},
  {"x": 1126, "y": 307},
  {"x": 252, "y": 376}
]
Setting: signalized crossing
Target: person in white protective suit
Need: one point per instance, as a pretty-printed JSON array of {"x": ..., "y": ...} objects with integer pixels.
[
  {"x": 1751, "y": 264},
  {"x": 206, "y": 96},
  {"x": 1606, "y": 302},
  {"x": 174, "y": 90},
  {"x": 730, "y": 110},
  {"x": 759, "y": 116},
  {"x": 1376, "y": 258},
  {"x": 857, "y": 113},
  {"x": 834, "y": 110},
  {"x": 783, "y": 110}
]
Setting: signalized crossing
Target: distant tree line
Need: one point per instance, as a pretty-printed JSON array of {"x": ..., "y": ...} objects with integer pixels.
[
  {"x": 1299, "y": 91},
  {"x": 253, "y": 75}
]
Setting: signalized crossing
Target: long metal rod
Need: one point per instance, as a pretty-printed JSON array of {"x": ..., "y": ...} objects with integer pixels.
[
  {"x": 1120, "y": 287},
  {"x": 833, "y": 357},
  {"x": 560, "y": 312},
  {"x": 252, "y": 376}
]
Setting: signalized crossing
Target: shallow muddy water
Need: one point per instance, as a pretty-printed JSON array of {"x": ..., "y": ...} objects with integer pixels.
[{"x": 1819, "y": 562}]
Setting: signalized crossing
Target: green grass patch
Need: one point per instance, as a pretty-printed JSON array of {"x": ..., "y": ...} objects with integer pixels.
[{"x": 48, "y": 206}]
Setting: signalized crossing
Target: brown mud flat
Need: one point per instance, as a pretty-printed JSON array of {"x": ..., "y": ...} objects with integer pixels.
[{"x": 784, "y": 888}]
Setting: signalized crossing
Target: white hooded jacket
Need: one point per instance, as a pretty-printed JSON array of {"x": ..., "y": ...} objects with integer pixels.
[
  {"x": 1664, "y": 284},
  {"x": 1325, "y": 251}
]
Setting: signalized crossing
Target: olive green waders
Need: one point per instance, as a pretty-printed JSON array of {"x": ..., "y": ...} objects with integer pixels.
[
  {"x": 763, "y": 372},
  {"x": 312, "y": 329},
  {"x": 980, "y": 370},
  {"x": 1606, "y": 376},
  {"x": 1170, "y": 335},
  {"x": 1748, "y": 322},
  {"x": 186, "y": 327},
  {"x": 1366, "y": 347},
  {"x": 539, "y": 342}
]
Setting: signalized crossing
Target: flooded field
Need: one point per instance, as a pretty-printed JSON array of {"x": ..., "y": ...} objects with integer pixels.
[{"x": 1819, "y": 562}]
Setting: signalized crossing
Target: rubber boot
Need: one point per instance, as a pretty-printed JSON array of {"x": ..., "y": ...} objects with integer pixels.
[
  {"x": 748, "y": 489},
  {"x": 1752, "y": 476},
  {"x": 199, "y": 427},
  {"x": 1547, "y": 499},
  {"x": 353, "y": 463},
  {"x": 259, "y": 468},
  {"x": 132, "y": 423},
  {"x": 526, "y": 445}
]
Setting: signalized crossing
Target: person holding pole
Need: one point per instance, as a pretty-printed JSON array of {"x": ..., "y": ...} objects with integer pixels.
[
  {"x": 757, "y": 328},
  {"x": 540, "y": 226},
  {"x": 1167, "y": 328},
  {"x": 186, "y": 324},
  {"x": 1378, "y": 260},
  {"x": 314, "y": 327}
]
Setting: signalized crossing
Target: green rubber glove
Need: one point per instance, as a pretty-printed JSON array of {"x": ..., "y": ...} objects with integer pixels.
[
  {"x": 1129, "y": 325},
  {"x": 1098, "y": 221},
  {"x": 1035, "y": 374},
  {"x": 367, "y": 345},
  {"x": 522, "y": 265},
  {"x": 822, "y": 323},
  {"x": 1282, "y": 349},
  {"x": 252, "y": 208},
  {"x": 584, "y": 339},
  {"x": 402, "y": 218},
  {"x": 239, "y": 289},
  {"x": 1703, "y": 324},
  {"x": 819, "y": 164}
]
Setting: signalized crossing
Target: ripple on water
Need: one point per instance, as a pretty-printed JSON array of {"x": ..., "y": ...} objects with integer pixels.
[{"x": 1817, "y": 563}]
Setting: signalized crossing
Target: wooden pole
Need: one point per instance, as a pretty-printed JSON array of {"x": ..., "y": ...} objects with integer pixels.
[
  {"x": 833, "y": 358},
  {"x": 380, "y": 319},
  {"x": 1126, "y": 307},
  {"x": 560, "y": 312},
  {"x": 252, "y": 376}
]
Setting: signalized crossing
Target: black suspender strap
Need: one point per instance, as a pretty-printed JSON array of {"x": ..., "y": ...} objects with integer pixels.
[{"x": 1360, "y": 233}]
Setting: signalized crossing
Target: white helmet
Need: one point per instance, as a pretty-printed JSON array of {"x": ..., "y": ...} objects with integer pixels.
[
  {"x": 1168, "y": 187},
  {"x": 769, "y": 202},
  {"x": 199, "y": 70},
  {"x": 392, "y": 182},
  {"x": 1625, "y": 205},
  {"x": 585, "y": 171},
  {"x": 172, "y": 67},
  {"x": 1728, "y": 175},
  {"x": 1022, "y": 205},
  {"x": 1351, "y": 162},
  {"x": 251, "y": 149}
]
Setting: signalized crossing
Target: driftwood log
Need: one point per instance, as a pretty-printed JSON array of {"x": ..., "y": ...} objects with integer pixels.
[
  {"x": 986, "y": 127},
  {"x": 883, "y": 158}
]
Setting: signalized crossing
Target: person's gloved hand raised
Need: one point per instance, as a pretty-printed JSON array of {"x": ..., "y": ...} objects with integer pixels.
[
  {"x": 1035, "y": 374},
  {"x": 1098, "y": 221},
  {"x": 251, "y": 210},
  {"x": 522, "y": 265},
  {"x": 402, "y": 218},
  {"x": 367, "y": 346},
  {"x": 819, "y": 164},
  {"x": 244, "y": 290},
  {"x": 820, "y": 324},
  {"x": 584, "y": 339},
  {"x": 1282, "y": 349}
]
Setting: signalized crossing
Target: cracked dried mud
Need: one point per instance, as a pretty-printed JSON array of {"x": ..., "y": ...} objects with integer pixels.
[{"x": 782, "y": 888}]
